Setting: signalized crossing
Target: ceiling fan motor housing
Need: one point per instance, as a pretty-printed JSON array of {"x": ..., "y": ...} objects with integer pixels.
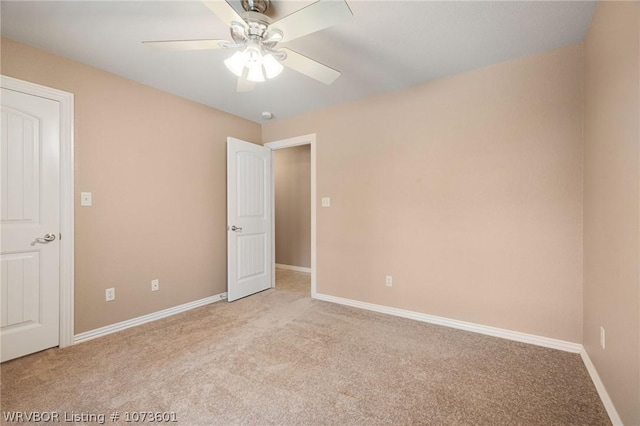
[{"x": 259, "y": 6}]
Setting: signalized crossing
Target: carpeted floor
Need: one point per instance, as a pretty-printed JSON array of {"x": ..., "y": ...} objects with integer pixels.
[
  {"x": 282, "y": 358},
  {"x": 293, "y": 282}
]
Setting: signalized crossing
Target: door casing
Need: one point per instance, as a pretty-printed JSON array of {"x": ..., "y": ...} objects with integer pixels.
[
  {"x": 65, "y": 100},
  {"x": 309, "y": 139}
]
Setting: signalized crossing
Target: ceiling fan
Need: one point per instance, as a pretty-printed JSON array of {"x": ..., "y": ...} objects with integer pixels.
[{"x": 257, "y": 38}]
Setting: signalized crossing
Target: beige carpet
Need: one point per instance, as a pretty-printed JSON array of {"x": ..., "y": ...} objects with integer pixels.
[
  {"x": 280, "y": 357},
  {"x": 293, "y": 282}
]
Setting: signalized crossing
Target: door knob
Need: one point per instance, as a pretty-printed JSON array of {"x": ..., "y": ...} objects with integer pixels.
[
  {"x": 44, "y": 240},
  {"x": 236, "y": 228}
]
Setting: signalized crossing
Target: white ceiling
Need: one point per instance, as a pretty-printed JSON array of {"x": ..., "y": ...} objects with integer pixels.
[{"x": 387, "y": 45}]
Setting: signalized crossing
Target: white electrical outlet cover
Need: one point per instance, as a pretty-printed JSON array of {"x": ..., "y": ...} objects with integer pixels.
[{"x": 110, "y": 294}]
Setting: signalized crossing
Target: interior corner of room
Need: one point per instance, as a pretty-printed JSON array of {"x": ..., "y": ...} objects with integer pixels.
[{"x": 503, "y": 200}]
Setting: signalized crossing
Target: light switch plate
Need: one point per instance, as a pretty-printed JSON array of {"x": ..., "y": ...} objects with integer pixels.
[
  {"x": 85, "y": 199},
  {"x": 326, "y": 202}
]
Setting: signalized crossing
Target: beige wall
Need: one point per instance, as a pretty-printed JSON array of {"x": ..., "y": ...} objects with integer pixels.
[
  {"x": 612, "y": 202},
  {"x": 467, "y": 190},
  {"x": 293, "y": 206},
  {"x": 156, "y": 166}
]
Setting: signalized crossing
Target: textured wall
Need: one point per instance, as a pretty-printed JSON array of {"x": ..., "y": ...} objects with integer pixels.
[
  {"x": 156, "y": 165},
  {"x": 467, "y": 190},
  {"x": 612, "y": 202},
  {"x": 293, "y": 206}
]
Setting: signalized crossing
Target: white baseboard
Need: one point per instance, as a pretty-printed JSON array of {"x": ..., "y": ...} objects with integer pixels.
[
  {"x": 293, "y": 268},
  {"x": 113, "y": 328},
  {"x": 462, "y": 325},
  {"x": 602, "y": 392}
]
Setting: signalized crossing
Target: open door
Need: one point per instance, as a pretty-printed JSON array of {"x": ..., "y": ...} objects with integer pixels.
[{"x": 249, "y": 233}]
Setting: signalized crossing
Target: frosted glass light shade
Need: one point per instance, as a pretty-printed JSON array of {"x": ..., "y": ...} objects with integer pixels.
[
  {"x": 235, "y": 64},
  {"x": 271, "y": 66},
  {"x": 255, "y": 74}
]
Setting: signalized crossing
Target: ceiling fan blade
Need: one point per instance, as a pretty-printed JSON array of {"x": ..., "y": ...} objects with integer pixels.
[
  {"x": 315, "y": 17},
  {"x": 244, "y": 85},
  {"x": 309, "y": 67},
  {"x": 184, "y": 44},
  {"x": 224, "y": 11}
]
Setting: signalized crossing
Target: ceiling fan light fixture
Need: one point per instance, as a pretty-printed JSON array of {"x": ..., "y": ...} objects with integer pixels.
[
  {"x": 255, "y": 73},
  {"x": 236, "y": 63},
  {"x": 256, "y": 36},
  {"x": 271, "y": 66},
  {"x": 252, "y": 55}
]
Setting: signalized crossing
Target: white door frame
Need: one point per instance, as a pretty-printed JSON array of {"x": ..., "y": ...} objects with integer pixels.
[
  {"x": 65, "y": 100},
  {"x": 309, "y": 139}
]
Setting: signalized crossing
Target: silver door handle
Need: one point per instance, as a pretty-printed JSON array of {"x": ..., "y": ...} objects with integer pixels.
[
  {"x": 236, "y": 228},
  {"x": 44, "y": 240}
]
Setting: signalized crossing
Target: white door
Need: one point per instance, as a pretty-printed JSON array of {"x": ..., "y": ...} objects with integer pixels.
[
  {"x": 30, "y": 176},
  {"x": 248, "y": 218}
]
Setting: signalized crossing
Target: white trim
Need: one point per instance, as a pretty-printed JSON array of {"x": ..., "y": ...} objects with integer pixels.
[
  {"x": 602, "y": 392},
  {"x": 291, "y": 142},
  {"x": 66, "y": 102},
  {"x": 114, "y": 328},
  {"x": 462, "y": 325},
  {"x": 309, "y": 139},
  {"x": 293, "y": 268},
  {"x": 314, "y": 222},
  {"x": 273, "y": 219}
]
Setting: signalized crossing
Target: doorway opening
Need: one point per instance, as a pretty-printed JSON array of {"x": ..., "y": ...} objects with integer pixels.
[{"x": 294, "y": 215}]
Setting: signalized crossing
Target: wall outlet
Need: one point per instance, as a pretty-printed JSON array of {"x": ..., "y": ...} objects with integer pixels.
[
  {"x": 110, "y": 294},
  {"x": 155, "y": 285},
  {"x": 326, "y": 202},
  {"x": 389, "y": 281},
  {"x": 602, "y": 337}
]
